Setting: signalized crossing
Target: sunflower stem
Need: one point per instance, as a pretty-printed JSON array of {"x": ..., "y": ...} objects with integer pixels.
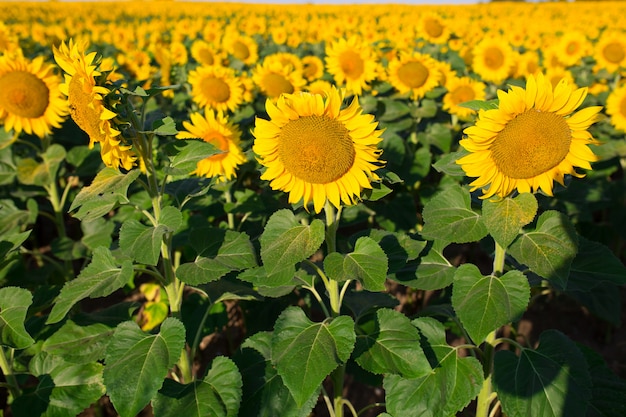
[
  {"x": 486, "y": 396},
  {"x": 332, "y": 286},
  {"x": 7, "y": 371}
]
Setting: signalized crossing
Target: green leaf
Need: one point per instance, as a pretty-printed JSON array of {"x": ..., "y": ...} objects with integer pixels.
[
  {"x": 551, "y": 381},
  {"x": 449, "y": 216},
  {"x": 394, "y": 109},
  {"x": 218, "y": 394},
  {"x": 480, "y": 104},
  {"x": 108, "y": 189},
  {"x": 185, "y": 154},
  {"x": 99, "y": 279},
  {"x": 392, "y": 347},
  {"x": 285, "y": 241},
  {"x": 608, "y": 391},
  {"x": 368, "y": 264},
  {"x": 264, "y": 393},
  {"x": 433, "y": 270},
  {"x": 447, "y": 163},
  {"x": 549, "y": 249},
  {"x": 362, "y": 302},
  {"x": 79, "y": 344},
  {"x": 14, "y": 303},
  {"x": 398, "y": 247},
  {"x": 32, "y": 172},
  {"x": 595, "y": 263},
  {"x": 142, "y": 243},
  {"x": 64, "y": 388},
  {"x": 305, "y": 352},
  {"x": 452, "y": 384},
  {"x": 224, "y": 252},
  {"x": 164, "y": 127},
  {"x": 97, "y": 232},
  {"x": 439, "y": 135},
  {"x": 485, "y": 303},
  {"x": 504, "y": 218},
  {"x": 137, "y": 363}
]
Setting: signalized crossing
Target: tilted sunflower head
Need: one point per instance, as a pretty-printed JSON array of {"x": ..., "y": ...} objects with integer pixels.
[{"x": 530, "y": 140}]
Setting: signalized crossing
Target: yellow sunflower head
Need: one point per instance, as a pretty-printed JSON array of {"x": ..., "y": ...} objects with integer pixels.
[
  {"x": 493, "y": 59},
  {"x": 616, "y": 107},
  {"x": 461, "y": 90},
  {"x": 30, "y": 97},
  {"x": 86, "y": 92},
  {"x": 610, "y": 51},
  {"x": 352, "y": 63},
  {"x": 241, "y": 47},
  {"x": 433, "y": 28},
  {"x": 315, "y": 150},
  {"x": 216, "y": 87},
  {"x": 215, "y": 129},
  {"x": 275, "y": 78},
  {"x": 530, "y": 140},
  {"x": 205, "y": 54},
  {"x": 312, "y": 68},
  {"x": 414, "y": 73}
]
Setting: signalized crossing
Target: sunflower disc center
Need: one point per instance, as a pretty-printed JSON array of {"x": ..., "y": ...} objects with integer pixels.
[
  {"x": 240, "y": 50},
  {"x": 83, "y": 111},
  {"x": 531, "y": 144},
  {"x": 413, "y": 74},
  {"x": 275, "y": 84},
  {"x": 494, "y": 58},
  {"x": 433, "y": 28},
  {"x": 316, "y": 149},
  {"x": 614, "y": 53},
  {"x": 24, "y": 94},
  {"x": 462, "y": 94},
  {"x": 351, "y": 64},
  {"x": 215, "y": 89}
]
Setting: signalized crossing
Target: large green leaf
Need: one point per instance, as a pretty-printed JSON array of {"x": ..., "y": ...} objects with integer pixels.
[
  {"x": 452, "y": 384},
  {"x": 79, "y": 344},
  {"x": 99, "y": 279},
  {"x": 31, "y": 172},
  {"x": 432, "y": 271},
  {"x": 108, "y": 189},
  {"x": 264, "y": 393},
  {"x": 595, "y": 263},
  {"x": 305, "y": 352},
  {"x": 14, "y": 303},
  {"x": 285, "y": 241},
  {"x": 64, "y": 389},
  {"x": 484, "y": 303},
  {"x": 449, "y": 216},
  {"x": 551, "y": 381},
  {"x": 185, "y": 155},
  {"x": 608, "y": 394},
  {"x": 399, "y": 248},
  {"x": 392, "y": 347},
  {"x": 219, "y": 252},
  {"x": 137, "y": 363},
  {"x": 368, "y": 264},
  {"x": 549, "y": 249},
  {"x": 505, "y": 217},
  {"x": 217, "y": 395}
]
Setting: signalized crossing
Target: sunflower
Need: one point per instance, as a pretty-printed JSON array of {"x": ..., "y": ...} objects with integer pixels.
[
  {"x": 432, "y": 28},
  {"x": 204, "y": 53},
  {"x": 241, "y": 47},
  {"x": 572, "y": 47},
  {"x": 30, "y": 97},
  {"x": 461, "y": 90},
  {"x": 616, "y": 107},
  {"x": 215, "y": 129},
  {"x": 530, "y": 140},
  {"x": 610, "y": 51},
  {"x": 87, "y": 105},
  {"x": 352, "y": 63},
  {"x": 316, "y": 151},
  {"x": 493, "y": 59},
  {"x": 312, "y": 68},
  {"x": 274, "y": 78},
  {"x": 414, "y": 73},
  {"x": 216, "y": 87}
]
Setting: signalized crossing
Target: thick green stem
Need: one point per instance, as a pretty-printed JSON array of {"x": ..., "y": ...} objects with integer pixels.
[
  {"x": 58, "y": 202},
  {"x": 7, "y": 371},
  {"x": 486, "y": 394}
]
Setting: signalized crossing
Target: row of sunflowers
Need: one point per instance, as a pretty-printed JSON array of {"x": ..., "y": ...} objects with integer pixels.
[{"x": 183, "y": 155}]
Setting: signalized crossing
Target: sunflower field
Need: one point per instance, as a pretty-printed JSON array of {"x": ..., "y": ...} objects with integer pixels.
[{"x": 222, "y": 209}]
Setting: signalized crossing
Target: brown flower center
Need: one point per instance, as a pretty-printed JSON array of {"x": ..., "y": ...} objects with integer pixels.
[
  {"x": 614, "y": 52},
  {"x": 316, "y": 149},
  {"x": 352, "y": 64},
  {"x": 493, "y": 58},
  {"x": 413, "y": 74},
  {"x": 240, "y": 50},
  {"x": 531, "y": 144},
  {"x": 275, "y": 85},
  {"x": 24, "y": 94},
  {"x": 215, "y": 89}
]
